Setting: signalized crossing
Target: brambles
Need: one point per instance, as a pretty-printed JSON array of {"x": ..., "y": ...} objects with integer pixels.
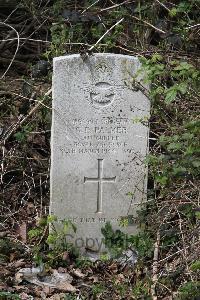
[
  {"x": 189, "y": 290},
  {"x": 52, "y": 248},
  {"x": 9, "y": 296},
  {"x": 116, "y": 242},
  {"x": 165, "y": 34}
]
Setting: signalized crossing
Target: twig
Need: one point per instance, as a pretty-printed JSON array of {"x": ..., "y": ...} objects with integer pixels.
[
  {"x": 34, "y": 32},
  {"x": 185, "y": 255},
  {"x": 22, "y": 121},
  {"x": 125, "y": 49},
  {"x": 163, "y": 5},
  {"x": 12, "y": 12},
  {"x": 48, "y": 42},
  {"x": 43, "y": 235},
  {"x": 193, "y": 26},
  {"x": 21, "y": 39},
  {"x": 116, "y": 5},
  {"x": 2, "y": 163},
  {"x": 30, "y": 99},
  {"x": 149, "y": 24},
  {"x": 118, "y": 22},
  {"x": 3, "y": 23},
  {"x": 155, "y": 267},
  {"x": 90, "y": 6},
  {"x": 177, "y": 252}
]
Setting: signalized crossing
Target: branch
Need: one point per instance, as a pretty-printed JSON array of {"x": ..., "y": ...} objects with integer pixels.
[
  {"x": 22, "y": 121},
  {"x": 91, "y": 48},
  {"x": 163, "y": 5},
  {"x": 155, "y": 267},
  {"x": 90, "y": 6},
  {"x": 193, "y": 26},
  {"x": 15, "y": 50},
  {"x": 116, "y": 5},
  {"x": 149, "y": 24}
]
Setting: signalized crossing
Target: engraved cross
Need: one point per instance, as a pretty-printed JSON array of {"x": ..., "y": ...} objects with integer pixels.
[{"x": 100, "y": 179}]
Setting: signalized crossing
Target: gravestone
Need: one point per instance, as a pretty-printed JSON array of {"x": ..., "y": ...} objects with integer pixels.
[{"x": 99, "y": 144}]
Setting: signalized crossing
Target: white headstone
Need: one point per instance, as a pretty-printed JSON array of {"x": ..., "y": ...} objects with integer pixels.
[{"x": 99, "y": 143}]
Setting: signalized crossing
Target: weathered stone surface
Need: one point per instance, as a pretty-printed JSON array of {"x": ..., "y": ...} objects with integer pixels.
[{"x": 99, "y": 143}]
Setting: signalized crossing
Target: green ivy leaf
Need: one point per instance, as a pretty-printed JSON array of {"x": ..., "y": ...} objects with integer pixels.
[
  {"x": 197, "y": 214},
  {"x": 173, "y": 12},
  {"x": 183, "y": 66},
  {"x": 174, "y": 146},
  {"x": 170, "y": 95},
  {"x": 156, "y": 57},
  {"x": 51, "y": 239},
  {"x": 161, "y": 179},
  {"x": 34, "y": 233},
  {"x": 196, "y": 163},
  {"x": 182, "y": 87},
  {"x": 179, "y": 171},
  {"x": 51, "y": 219}
]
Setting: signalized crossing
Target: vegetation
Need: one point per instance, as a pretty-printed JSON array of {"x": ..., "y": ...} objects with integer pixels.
[{"x": 165, "y": 35}]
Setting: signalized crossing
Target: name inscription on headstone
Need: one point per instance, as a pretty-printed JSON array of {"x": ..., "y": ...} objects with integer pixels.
[
  {"x": 98, "y": 148},
  {"x": 98, "y": 138}
]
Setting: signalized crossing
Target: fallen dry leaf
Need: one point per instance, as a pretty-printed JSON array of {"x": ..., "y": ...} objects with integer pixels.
[
  {"x": 24, "y": 296},
  {"x": 113, "y": 267},
  {"x": 17, "y": 264},
  {"x": 60, "y": 281},
  {"x": 22, "y": 231},
  {"x": 30, "y": 208},
  {"x": 58, "y": 277},
  {"x": 119, "y": 278},
  {"x": 29, "y": 274},
  {"x": 78, "y": 273},
  {"x": 65, "y": 286},
  {"x": 46, "y": 290},
  {"x": 65, "y": 255},
  {"x": 60, "y": 296},
  {"x": 18, "y": 277}
]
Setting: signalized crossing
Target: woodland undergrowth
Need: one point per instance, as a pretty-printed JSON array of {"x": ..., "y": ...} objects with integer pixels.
[{"x": 165, "y": 36}]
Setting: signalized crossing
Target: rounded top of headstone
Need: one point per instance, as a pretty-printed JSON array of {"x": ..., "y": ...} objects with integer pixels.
[{"x": 98, "y": 55}]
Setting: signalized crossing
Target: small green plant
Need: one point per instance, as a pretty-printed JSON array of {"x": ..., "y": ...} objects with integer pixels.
[
  {"x": 187, "y": 211},
  {"x": 21, "y": 136},
  {"x": 142, "y": 243},
  {"x": 184, "y": 78},
  {"x": 58, "y": 6},
  {"x": 55, "y": 239},
  {"x": 83, "y": 262},
  {"x": 9, "y": 296},
  {"x": 121, "y": 289},
  {"x": 117, "y": 241},
  {"x": 180, "y": 157},
  {"x": 97, "y": 289},
  {"x": 8, "y": 246},
  {"x": 141, "y": 290},
  {"x": 189, "y": 291},
  {"x": 60, "y": 35},
  {"x": 104, "y": 257},
  {"x": 195, "y": 266}
]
